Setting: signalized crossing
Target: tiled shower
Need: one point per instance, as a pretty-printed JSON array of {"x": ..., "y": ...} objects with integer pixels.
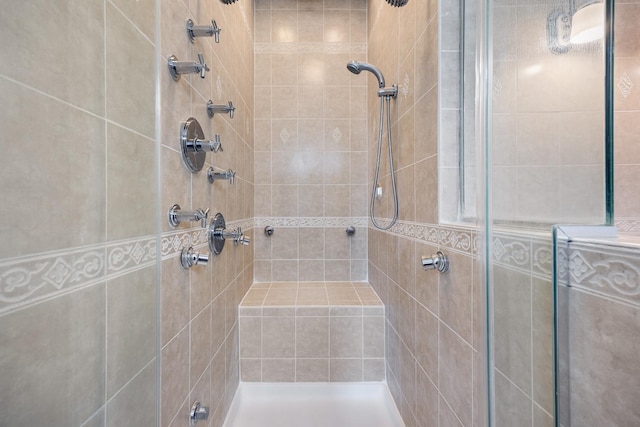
[{"x": 99, "y": 324}]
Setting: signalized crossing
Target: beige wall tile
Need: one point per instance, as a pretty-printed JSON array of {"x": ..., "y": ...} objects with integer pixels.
[
  {"x": 130, "y": 300},
  {"x": 345, "y": 370},
  {"x": 48, "y": 183},
  {"x": 70, "y": 357},
  {"x": 278, "y": 370}
]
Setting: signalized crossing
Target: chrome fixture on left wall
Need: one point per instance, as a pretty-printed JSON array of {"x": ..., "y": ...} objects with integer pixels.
[
  {"x": 189, "y": 258},
  {"x": 177, "y": 215},
  {"x": 212, "y": 109},
  {"x": 194, "y": 30},
  {"x": 177, "y": 68},
  {"x": 193, "y": 145},
  {"x": 218, "y": 234}
]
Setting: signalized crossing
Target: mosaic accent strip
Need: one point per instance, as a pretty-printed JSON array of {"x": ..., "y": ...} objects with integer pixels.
[
  {"x": 310, "y": 47},
  {"x": 609, "y": 271},
  {"x": 29, "y": 279}
]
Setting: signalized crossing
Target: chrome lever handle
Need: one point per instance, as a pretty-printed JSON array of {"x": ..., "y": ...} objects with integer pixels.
[
  {"x": 232, "y": 110},
  {"x": 202, "y": 66},
  {"x": 202, "y": 215},
  {"x": 216, "y": 30}
]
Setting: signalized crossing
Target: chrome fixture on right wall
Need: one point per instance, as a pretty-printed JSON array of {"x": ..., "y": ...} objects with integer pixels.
[
  {"x": 385, "y": 94},
  {"x": 439, "y": 262}
]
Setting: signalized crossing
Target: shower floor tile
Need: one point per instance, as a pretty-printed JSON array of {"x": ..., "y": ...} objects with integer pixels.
[{"x": 313, "y": 405}]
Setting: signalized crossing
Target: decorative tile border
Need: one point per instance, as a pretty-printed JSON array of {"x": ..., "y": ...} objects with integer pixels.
[
  {"x": 29, "y": 279},
  {"x": 310, "y": 47},
  {"x": 310, "y": 221},
  {"x": 529, "y": 253},
  {"x": 628, "y": 225},
  {"x": 460, "y": 239},
  {"x": 606, "y": 270},
  {"x": 172, "y": 242}
]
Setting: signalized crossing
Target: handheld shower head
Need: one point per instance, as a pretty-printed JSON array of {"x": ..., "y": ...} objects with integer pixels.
[{"x": 356, "y": 67}]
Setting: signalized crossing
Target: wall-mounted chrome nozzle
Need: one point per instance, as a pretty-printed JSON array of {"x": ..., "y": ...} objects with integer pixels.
[
  {"x": 189, "y": 258},
  {"x": 351, "y": 230},
  {"x": 229, "y": 174},
  {"x": 176, "y": 216},
  {"x": 268, "y": 231},
  {"x": 176, "y": 68},
  {"x": 198, "y": 412},
  {"x": 439, "y": 262},
  {"x": 212, "y": 109},
  {"x": 203, "y": 30}
]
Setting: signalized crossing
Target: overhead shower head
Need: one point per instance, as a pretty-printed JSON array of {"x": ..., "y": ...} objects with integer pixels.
[
  {"x": 231, "y": 1},
  {"x": 356, "y": 67},
  {"x": 397, "y": 3}
]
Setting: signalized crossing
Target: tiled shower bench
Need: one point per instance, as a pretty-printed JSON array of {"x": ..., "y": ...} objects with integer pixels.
[{"x": 311, "y": 332}]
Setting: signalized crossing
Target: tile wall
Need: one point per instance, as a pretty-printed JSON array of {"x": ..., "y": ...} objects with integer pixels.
[
  {"x": 310, "y": 143},
  {"x": 434, "y": 323},
  {"x": 199, "y": 322},
  {"x": 598, "y": 322},
  {"x": 523, "y": 328},
  {"x": 77, "y": 268},
  {"x": 627, "y": 111}
]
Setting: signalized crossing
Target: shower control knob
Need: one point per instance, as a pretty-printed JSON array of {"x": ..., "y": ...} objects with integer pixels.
[
  {"x": 439, "y": 262},
  {"x": 189, "y": 258}
]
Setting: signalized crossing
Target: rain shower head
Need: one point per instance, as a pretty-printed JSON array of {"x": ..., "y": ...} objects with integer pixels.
[
  {"x": 397, "y": 3},
  {"x": 233, "y": 1},
  {"x": 356, "y": 67}
]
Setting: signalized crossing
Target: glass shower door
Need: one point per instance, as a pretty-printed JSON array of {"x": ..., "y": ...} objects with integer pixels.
[{"x": 544, "y": 164}]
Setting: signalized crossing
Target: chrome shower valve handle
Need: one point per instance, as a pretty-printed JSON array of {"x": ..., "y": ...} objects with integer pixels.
[
  {"x": 212, "y": 109},
  {"x": 177, "y": 68},
  {"x": 176, "y": 216},
  {"x": 203, "y": 30},
  {"x": 203, "y": 145}
]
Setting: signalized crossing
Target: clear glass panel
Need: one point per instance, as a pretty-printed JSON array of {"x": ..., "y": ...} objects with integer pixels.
[
  {"x": 457, "y": 157},
  {"x": 78, "y": 265},
  {"x": 545, "y": 165}
]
